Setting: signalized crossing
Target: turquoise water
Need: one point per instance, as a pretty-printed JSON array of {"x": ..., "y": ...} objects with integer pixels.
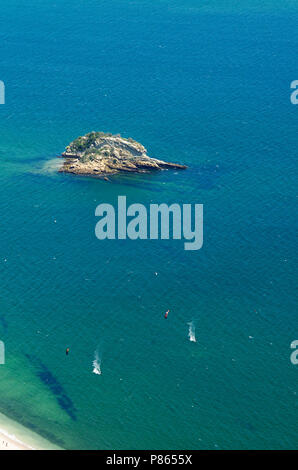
[{"x": 198, "y": 83}]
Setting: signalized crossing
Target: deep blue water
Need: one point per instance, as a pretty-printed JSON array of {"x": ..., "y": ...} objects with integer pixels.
[{"x": 198, "y": 83}]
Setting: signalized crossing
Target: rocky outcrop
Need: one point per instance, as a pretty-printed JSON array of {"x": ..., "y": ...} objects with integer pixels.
[{"x": 99, "y": 154}]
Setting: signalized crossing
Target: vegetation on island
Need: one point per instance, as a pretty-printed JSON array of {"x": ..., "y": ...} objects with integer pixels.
[{"x": 86, "y": 142}]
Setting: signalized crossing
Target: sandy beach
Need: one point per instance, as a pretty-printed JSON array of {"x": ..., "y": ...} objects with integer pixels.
[
  {"x": 10, "y": 442},
  {"x": 15, "y": 436}
]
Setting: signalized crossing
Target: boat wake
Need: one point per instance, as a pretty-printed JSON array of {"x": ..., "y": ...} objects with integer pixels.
[
  {"x": 192, "y": 332},
  {"x": 96, "y": 364}
]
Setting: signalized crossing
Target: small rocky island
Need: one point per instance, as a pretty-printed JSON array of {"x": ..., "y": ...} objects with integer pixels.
[{"x": 101, "y": 154}]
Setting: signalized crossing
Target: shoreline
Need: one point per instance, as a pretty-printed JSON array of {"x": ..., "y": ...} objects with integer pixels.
[
  {"x": 14, "y": 436},
  {"x": 10, "y": 442}
]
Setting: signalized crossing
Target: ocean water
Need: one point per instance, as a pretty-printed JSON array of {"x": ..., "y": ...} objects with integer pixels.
[{"x": 205, "y": 83}]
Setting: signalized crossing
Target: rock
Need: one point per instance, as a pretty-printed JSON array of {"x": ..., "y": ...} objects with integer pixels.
[{"x": 99, "y": 154}]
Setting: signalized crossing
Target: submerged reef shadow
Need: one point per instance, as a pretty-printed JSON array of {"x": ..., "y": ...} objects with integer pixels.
[{"x": 56, "y": 388}]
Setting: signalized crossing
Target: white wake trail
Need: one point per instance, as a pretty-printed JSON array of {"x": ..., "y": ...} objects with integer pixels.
[
  {"x": 192, "y": 332},
  {"x": 96, "y": 364}
]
